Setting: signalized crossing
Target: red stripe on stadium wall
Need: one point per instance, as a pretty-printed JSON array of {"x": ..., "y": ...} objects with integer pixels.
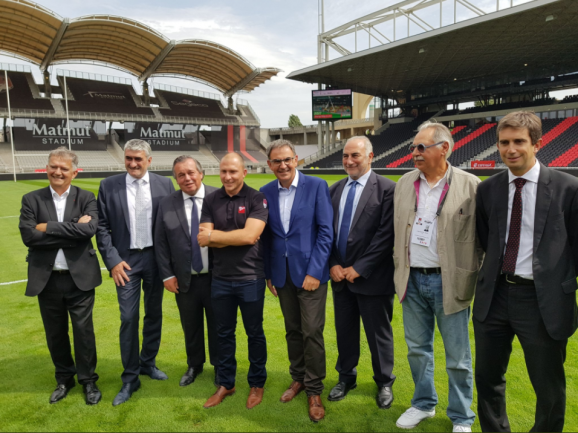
[
  {"x": 230, "y": 138},
  {"x": 558, "y": 130},
  {"x": 243, "y": 145},
  {"x": 458, "y": 129}
]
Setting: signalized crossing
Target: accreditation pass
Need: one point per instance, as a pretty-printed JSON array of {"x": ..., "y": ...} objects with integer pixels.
[{"x": 422, "y": 230}]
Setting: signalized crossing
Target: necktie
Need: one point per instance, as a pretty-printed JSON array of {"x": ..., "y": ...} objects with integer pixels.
[
  {"x": 511, "y": 256},
  {"x": 140, "y": 213},
  {"x": 197, "y": 259},
  {"x": 346, "y": 221}
]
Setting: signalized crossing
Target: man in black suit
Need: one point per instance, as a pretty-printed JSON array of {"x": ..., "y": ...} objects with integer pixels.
[
  {"x": 184, "y": 266},
  {"x": 527, "y": 223},
  {"x": 127, "y": 211},
  {"x": 57, "y": 224},
  {"x": 361, "y": 267}
]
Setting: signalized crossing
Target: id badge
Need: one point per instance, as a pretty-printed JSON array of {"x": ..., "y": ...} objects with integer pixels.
[{"x": 422, "y": 231}]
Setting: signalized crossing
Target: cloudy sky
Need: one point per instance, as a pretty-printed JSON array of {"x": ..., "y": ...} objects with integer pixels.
[{"x": 276, "y": 33}]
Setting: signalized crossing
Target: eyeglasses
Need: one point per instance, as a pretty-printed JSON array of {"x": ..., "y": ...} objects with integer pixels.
[
  {"x": 422, "y": 147},
  {"x": 278, "y": 162}
]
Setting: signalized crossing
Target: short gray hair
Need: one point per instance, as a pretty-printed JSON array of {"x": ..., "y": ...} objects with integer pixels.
[
  {"x": 277, "y": 144},
  {"x": 66, "y": 153},
  {"x": 366, "y": 143},
  {"x": 441, "y": 133},
  {"x": 183, "y": 158},
  {"x": 137, "y": 145}
]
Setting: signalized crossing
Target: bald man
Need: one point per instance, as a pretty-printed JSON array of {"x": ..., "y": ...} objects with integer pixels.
[{"x": 232, "y": 221}]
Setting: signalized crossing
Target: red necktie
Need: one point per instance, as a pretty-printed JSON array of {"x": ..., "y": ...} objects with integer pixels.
[{"x": 511, "y": 256}]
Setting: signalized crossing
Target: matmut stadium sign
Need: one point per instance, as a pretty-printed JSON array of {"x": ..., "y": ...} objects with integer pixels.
[
  {"x": 163, "y": 136},
  {"x": 483, "y": 164}
]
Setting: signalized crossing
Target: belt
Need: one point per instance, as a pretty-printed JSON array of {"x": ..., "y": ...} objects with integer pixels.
[
  {"x": 61, "y": 271},
  {"x": 140, "y": 250},
  {"x": 428, "y": 271},
  {"x": 514, "y": 280}
]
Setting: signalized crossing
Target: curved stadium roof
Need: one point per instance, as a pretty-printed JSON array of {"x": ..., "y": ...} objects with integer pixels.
[{"x": 36, "y": 34}]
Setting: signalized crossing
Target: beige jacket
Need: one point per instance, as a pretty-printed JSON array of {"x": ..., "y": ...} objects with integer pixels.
[{"x": 458, "y": 247}]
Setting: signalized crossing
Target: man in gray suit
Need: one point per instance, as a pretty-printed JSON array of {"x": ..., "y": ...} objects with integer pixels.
[
  {"x": 127, "y": 210},
  {"x": 184, "y": 266}
]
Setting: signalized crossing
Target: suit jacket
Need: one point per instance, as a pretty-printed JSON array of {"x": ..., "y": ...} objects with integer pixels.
[
  {"x": 370, "y": 241},
  {"x": 172, "y": 239},
  {"x": 458, "y": 247},
  {"x": 308, "y": 242},
  {"x": 74, "y": 239},
  {"x": 555, "y": 254},
  {"x": 113, "y": 234}
]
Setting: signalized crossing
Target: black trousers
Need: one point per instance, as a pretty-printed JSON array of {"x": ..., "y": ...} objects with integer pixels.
[
  {"x": 376, "y": 313},
  {"x": 304, "y": 314},
  {"x": 514, "y": 312},
  {"x": 193, "y": 306},
  {"x": 59, "y": 299},
  {"x": 143, "y": 271}
]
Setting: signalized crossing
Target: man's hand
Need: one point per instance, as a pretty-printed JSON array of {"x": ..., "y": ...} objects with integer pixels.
[
  {"x": 350, "y": 274},
  {"x": 84, "y": 219},
  {"x": 272, "y": 288},
  {"x": 119, "y": 275},
  {"x": 337, "y": 273},
  {"x": 172, "y": 285},
  {"x": 203, "y": 237},
  {"x": 41, "y": 227},
  {"x": 310, "y": 284}
]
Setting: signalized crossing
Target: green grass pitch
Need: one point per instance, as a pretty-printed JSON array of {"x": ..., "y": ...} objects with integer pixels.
[{"x": 27, "y": 373}]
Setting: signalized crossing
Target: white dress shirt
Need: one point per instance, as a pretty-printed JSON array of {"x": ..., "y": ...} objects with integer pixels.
[
  {"x": 131, "y": 199},
  {"x": 60, "y": 205},
  {"x": 358, "y": 190},
  {"x": 429, "y": 199},
  {"x": 286, "y": 199},
  {"x": 526, "y": 248}
]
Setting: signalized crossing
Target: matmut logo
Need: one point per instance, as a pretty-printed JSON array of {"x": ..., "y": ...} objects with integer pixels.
[
  {"x": 483, "y": 164},
  {"x": 105, "y": 95},
  {"x": 188, "y": 103}
]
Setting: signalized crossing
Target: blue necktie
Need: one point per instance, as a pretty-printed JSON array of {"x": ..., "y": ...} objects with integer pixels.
[
  {"x": 197, "y": 258},
  {"x": 346, "y": 221}
]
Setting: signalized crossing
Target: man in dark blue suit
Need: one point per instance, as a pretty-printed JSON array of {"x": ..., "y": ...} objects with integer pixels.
[
  {"x": 298, "y": 242},
  {"x": 127, "y": 210}
]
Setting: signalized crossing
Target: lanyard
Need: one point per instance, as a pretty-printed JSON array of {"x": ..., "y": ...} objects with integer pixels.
[{"x": 442, "y": 197}]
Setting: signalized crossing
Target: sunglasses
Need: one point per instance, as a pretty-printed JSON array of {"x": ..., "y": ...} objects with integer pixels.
[{"x": 422, "y": 147}]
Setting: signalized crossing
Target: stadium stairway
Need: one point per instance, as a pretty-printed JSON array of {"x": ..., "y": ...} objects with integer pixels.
[{"x": 478, "y": 140}]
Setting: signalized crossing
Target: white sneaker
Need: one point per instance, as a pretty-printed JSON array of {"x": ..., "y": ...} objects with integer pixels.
[
  {"x": 413, "y": 416},
  {"x": 462, "y": 428}
]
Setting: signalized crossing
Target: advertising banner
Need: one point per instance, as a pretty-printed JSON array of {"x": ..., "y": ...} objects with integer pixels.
[
  {"x": 164, "y": 136},
  {"x": 48, "y": 134},
  {"x": 483, "y": 164}
]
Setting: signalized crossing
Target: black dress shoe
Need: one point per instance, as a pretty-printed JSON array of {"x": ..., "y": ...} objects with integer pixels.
[
  {"x": 384, "y": 397},
  {"x": 126, "y": 392},
  {"x": 92, "y": 394},
  {"x": 190, "y": 376},
  {"x": 61, "y": 390},
  {"x": 154, "y": 373},
  {"x": 340, "y": 390}
]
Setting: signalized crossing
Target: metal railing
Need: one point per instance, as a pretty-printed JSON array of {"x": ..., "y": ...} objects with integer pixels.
[
  {"x": 354, "y": 121},
  {"x": 93, "y": 77},
  {"x": 324, "y": 152},
  {"x": 14, "y": 68}
]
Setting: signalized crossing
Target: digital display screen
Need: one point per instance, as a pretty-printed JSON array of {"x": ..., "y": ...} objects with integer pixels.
[{"x": 332, "y": 104}]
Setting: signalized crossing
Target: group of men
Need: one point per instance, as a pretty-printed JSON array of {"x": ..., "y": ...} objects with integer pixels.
[{"x": 436, "y": 238}]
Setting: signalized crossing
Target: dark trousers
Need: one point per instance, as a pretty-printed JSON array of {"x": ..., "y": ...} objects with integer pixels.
[
  {"x": 304, "y": 314},
  {"x": 193, "y": 306},
  {"x": 376, "y": 313},
  {"x": 249, "y": 296},
  {"x": 59, "y": 299},
  {"x": 514, "y": 312},
  {"x": 143, "y": 270}
]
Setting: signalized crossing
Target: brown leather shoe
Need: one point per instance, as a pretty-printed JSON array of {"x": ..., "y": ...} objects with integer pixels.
[
  {"x": 218, "y": 397},
  {"x": 255, "y": 397},
  {"x": 316, "y": 409},
  {"x": 294, "y": 389}
]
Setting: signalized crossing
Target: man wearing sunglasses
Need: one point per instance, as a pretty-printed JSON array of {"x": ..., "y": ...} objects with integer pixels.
[
  {"x": 436, "y": 259},
  {"x": 297, "y": 244}
]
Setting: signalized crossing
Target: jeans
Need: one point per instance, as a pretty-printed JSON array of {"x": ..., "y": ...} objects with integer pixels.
[{"x": 422, "y": 306}]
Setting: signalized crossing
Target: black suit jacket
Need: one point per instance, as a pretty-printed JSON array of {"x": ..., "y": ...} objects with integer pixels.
[
  {"x": 73, "y": 238},
  {"x": 555, "y": 255},
  {"x": 370, "y": 242},
  {"x": 173, "y": 239},
  {"x": 113, "y": 234}
]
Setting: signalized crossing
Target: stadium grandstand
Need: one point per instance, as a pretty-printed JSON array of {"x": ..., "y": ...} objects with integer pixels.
[{"x": 465, "y": 65}]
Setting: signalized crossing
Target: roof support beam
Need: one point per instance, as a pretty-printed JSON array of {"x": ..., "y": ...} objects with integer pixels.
[
  {"x": 157, "y": 61},
  {"x": 241, "y": 84},
  {"x": 54, "y": 45}
]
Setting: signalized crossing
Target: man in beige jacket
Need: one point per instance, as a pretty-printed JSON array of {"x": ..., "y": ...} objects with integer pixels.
[{"x": 436, "y": 265}]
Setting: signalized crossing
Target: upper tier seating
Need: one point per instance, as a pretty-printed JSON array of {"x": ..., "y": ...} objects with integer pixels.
[
  {"x": 21, "y": 97},
  {"x": 183, "y": 105}
]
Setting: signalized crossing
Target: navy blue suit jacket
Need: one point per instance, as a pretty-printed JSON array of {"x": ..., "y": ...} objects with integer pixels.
[
  {"x": 308, "y": 243},
  {"x": 113, "y": 233}
]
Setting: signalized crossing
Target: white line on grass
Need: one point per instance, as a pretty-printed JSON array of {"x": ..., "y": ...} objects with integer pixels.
[
  {"x": 13, "y": 216},
  {"x": 23, "y": 281}
]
